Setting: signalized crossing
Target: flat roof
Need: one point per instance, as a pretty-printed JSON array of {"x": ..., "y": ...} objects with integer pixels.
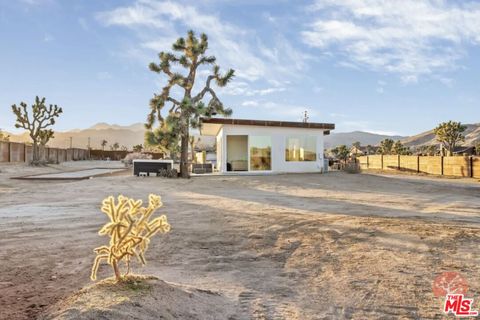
[{"x": 269, "y": 123}]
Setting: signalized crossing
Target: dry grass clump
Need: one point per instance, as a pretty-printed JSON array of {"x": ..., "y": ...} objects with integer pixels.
[{"x": 130, "y": 230}]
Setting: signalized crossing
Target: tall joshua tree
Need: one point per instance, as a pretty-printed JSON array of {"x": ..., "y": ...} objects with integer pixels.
[
  {"x": 36, "y": 121},
  {"x": 386, "y": 146},
  {"x": 449, "y": 134},
  {"x": 104, "y": 144},
  {"x": 185, "y": 112}
]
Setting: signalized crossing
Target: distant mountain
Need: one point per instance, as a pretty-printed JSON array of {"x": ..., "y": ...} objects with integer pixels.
[
  {"x": 472, "y": 136},
  {"x": 347, "y": 138},
  {"x": 134, "y": 134},
  {"x": 125, "y": 136}
]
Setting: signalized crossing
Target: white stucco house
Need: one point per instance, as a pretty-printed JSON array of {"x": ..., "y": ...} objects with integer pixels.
[{"x": 267, "y": 146}]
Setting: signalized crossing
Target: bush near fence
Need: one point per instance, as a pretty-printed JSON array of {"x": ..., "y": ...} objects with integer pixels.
[
  {"x": 21, "y": 152},
  {"x": 457, "y": 166}
]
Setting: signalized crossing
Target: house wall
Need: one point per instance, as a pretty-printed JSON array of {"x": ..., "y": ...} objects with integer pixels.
[
  {"x": 278, "y": 136},
  {"x": 219, "y": 150}
]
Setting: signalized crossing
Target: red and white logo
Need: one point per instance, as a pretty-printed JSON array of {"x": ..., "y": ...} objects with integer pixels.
[{"x": 453, "y": 287}]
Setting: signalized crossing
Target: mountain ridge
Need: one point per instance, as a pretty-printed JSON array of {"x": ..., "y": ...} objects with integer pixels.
[{"x": 130, "y": 135}]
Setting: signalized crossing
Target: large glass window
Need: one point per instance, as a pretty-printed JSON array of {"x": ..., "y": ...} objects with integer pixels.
[
  {"x": 260, "y": 153},
  {"x": 301, "y": 148}
]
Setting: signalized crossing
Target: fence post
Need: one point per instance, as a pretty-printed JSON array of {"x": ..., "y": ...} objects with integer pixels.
[
  {"x": 470, "y": 164},
  {"x": 398, "y": 163},
  {"x": 381, "y": 160},
  {"x": 441, "y": 164},
  {"x": 368, "y": 162},
  {"x": 9, "y": 152},
  {"x": 418, "y": 164}
]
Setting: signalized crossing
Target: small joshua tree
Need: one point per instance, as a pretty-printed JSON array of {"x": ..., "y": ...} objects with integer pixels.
[
  {"x": 137, "y": 148},
  {"x": 115, "y": 146},
  {"x": 4, "y": 136},
  {"x": 36, "y": 122},
  {"x": 130, "y": 230}
]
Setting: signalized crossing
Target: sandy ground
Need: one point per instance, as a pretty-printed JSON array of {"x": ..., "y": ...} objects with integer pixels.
[{"x": 279, "y": 247}]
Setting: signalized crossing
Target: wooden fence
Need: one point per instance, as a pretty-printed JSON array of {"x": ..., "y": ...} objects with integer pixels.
[
  {"x": 457, "y": 166},
  {"x": 20, "y": 152}
]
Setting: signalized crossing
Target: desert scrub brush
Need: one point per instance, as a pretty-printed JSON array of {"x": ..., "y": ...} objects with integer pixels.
[{"x": 130, "y": 230}]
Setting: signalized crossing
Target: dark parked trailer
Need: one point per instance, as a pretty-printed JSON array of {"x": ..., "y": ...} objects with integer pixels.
[{"x": 151, "y": 166}]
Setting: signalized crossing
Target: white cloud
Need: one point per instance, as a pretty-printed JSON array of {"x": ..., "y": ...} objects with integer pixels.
[
  {"x": 159, "y": 23},
  {"x": 366, "y": 126},
  {"x": 410, "y": 38},
  {"x": 283, "y": 111},
  {"x": 242, "y": 88},
  {"x": 250, "y": 103},
  {"x": 226, "y": 41},
  {"x": 36, "y": 2}
]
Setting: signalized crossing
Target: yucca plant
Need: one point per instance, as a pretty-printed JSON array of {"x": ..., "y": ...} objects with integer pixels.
[{"x": 130, "y": 230}]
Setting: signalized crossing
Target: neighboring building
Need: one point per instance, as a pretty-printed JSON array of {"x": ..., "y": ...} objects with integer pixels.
[
  {"x": 462, "y": 150},
  {"x": 269, "y": 146},
  {"x": 364, "y": 150}
]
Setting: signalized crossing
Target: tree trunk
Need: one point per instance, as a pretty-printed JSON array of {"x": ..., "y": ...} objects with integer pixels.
[
  {"x": 35, "y": 154},
  {"x": 184, "y": 156},
  {"x": 118, "y": 276}
]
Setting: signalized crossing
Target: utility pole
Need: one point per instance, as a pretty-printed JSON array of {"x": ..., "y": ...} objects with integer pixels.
[
  {"x": 305, "y": 116},
  {"x": 71, "y": 138}
]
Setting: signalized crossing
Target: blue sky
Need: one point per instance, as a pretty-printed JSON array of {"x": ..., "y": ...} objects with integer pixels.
[{"x": 395, "y": 66}]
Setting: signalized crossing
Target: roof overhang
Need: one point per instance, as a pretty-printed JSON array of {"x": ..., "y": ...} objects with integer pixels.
[
  {"x": 210, "y": 129},
  {"x": 213, "y": 125}
]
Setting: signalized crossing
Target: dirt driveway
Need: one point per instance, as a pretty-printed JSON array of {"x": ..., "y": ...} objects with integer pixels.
[{"x": 282, "y": 247}]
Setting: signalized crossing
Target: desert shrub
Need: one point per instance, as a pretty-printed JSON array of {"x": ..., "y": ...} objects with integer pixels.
[
  {"x": 130, "y": 230},
  {"x": 352, "y": 167},
  {"x": 168, "y": 173},
  {"x": 128, "y": 160}
]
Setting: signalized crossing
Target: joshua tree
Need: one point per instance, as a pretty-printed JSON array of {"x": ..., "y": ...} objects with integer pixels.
[
  {"x": 386, "y": 146},
  {"x": 341, "y": 152},
  {"x": 477, "y": 148},
  {"x": 104, "y": 144},
  {"x": 186, "y": 111},
  {"x": 137, "y": 148},
  {"x": 115, "y": 146},
  {"x": 4, "y": 136},
  {"x": 130, "y": 228},
  {"x": 449, "y": 134},
  {"x": 36, "y": 122},
  {"x": 124, "y": 148},
  {"x": 399, "y": 148}
]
